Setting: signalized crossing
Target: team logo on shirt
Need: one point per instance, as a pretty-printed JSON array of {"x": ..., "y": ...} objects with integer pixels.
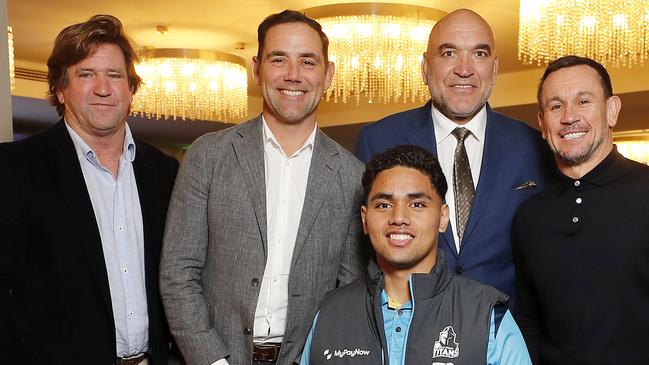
[{"x": 446, "y": 346}]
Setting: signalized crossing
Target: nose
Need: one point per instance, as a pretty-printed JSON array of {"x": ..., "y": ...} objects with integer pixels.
[
  {"x": 399, "y": 215},
  {"x": 570, "y": 115},
  {"x": 292, "y": 72},
  {"x": 464, "y": 66},
  {"x": 101, "y": 86}
]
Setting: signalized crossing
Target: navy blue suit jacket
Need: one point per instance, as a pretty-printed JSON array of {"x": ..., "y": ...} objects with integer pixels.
[{"x": 514, "y": 154}]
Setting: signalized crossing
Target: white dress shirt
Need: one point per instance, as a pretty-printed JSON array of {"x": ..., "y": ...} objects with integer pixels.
[
  {"x": 286, "y": 180},
  {"x": 116, "y": 205},
  {"x": 446, "y": 143}
]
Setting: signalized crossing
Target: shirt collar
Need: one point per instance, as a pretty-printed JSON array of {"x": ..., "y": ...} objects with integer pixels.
[
  {"x": 604, "y": 172},
  {"x": 85, "y": 151},
  {"x": 444, "y": 126},
  {"x": 269, "y": 138},
  {"x": 385, "y": 299}
]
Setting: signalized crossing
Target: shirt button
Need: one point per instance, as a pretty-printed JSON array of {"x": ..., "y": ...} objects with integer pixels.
[
  {"x": 578, "y": 200},
  {"x": 247, "y": 331},
  {"x": 254, "y": 282},
  {"x": 400, "y": 312},
  {"x": 275, "y": 279},
  {"x": 398, "y": 329},
  {"x": 459, "y": 270},
  {"x": 575, "y": 219},
  {"x": 577, "y": 183}
]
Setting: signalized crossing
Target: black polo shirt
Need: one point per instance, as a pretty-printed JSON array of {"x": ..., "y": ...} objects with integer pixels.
[{"x": 581, "y": 250}]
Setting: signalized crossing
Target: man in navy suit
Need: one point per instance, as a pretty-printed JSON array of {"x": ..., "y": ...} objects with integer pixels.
[{"x": 505, "y": 156}]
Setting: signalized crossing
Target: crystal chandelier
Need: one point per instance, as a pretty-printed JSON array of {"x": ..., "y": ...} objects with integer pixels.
[
  {"x": 612, "y": 32},
  {"x": 377, "y": 50},
  {"x": 191, "y": 84}
]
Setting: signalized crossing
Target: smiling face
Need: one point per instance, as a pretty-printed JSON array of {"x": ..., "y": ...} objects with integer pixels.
[
  {"x": 97, "y": 97},
  {"x": 402, "y": 217},
  {"x": 460, "y": 65},
  {"x": 576, "y": 119},
  {"x": 292, "y": 73}
]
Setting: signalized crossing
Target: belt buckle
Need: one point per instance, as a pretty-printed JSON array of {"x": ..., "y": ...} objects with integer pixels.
[{"x": 266, "y": 352}]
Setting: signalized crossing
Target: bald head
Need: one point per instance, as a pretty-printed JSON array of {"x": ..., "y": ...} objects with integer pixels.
[
  {"x": 460, "y": 65},
  {"x": 457, "y": 20}
]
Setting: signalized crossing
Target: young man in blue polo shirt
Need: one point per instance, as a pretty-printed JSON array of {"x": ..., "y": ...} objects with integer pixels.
[{"x": 410, "y": 308}]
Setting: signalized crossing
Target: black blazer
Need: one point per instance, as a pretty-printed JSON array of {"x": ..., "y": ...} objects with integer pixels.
[{"x": 55, "y": 304}]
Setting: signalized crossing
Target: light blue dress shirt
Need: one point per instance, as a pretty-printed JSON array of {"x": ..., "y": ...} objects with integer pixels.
[{"x": 116, "y": 204}]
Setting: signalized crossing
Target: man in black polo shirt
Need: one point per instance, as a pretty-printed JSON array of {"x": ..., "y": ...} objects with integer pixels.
[{"x": 581, "y": 247}]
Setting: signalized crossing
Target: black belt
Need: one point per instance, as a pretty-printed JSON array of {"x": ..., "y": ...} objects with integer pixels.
[
  {"x": 131, "y": 360},
  {"x": 266, "y": 351}
]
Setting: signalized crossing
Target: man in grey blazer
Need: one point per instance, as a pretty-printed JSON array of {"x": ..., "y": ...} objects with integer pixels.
[{"x": 263, "y": 220}]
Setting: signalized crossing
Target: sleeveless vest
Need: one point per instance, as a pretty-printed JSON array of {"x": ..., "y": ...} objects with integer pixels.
[{"x": 449, "y": 325}]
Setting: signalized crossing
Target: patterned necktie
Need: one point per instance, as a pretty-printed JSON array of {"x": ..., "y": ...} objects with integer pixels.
[{"x": 462, "y": 182}]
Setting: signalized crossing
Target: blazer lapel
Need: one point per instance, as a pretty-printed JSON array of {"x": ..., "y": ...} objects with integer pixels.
[
  {"x": 324, "y": 166},
  {"x": 422, "y": 132},
  {"x": 249, "y": 150},
  {"x": 489, "y": 171},
  {"x": 72, "y": 185},
  {"x": 147, "y": 189}
]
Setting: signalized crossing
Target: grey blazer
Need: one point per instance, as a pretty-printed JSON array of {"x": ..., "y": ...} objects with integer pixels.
[{"x": 215, "y": 245}]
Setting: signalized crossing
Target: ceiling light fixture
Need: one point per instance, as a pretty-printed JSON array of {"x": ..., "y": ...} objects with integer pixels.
[
  {"x": 377, "y": 50},
  {"x": 191, "y": 84},
  {"x": 610, "y": 31}
]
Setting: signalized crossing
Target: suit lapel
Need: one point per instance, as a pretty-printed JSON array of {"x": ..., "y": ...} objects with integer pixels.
[
  {"x": 147, "y": 190},
  {"x": 422, "y": 132},
  {"x": 489, "y": 171},
  {"x": 72, "y": 185},
  {"x": 249, "y": 150},
  {"x": 324, "y": 165}
]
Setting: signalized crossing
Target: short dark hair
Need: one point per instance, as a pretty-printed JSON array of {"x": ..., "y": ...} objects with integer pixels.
[
  {"x": 570, "y": 61},
  {"x": 410, "y": 156},
  {"x": 76, "y": 42},
  {"x": 290, "y": 16}
]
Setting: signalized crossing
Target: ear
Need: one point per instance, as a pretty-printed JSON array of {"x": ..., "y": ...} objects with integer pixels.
[
  {"x": 539, "y": 117},
  {"x": 363, "y": 218},
  {"x": 60, "y": 97},
  {"x": 255, "y": 69},
  {"x": 613, "y": 106},
  {"x": 443, "y": 218},
  {"x": 495, "y": 75},
  {"x": 329, "y": 74},
  {"x": 424, "y": 68}
]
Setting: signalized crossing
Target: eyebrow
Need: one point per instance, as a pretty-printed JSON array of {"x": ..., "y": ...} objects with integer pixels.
[
  {"x": 388, "y": 196},
  {"x": 579, "y": 94},
  {"x": 484, "y": 46},
  {"x": 301, "y": 55}
]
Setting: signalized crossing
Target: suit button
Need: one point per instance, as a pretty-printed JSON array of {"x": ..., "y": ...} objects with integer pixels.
[
  {"x": 247, "y": 331},
  {"x": 254, "y": 282},
  {"x": 459, "y": 270}
]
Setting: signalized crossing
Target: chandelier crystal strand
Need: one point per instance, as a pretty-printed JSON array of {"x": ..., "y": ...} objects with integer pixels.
[
  {"x": 613, "y": 32},
  {"x": 200, "y": 88},
  {"x": 378, "y": 56}
]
